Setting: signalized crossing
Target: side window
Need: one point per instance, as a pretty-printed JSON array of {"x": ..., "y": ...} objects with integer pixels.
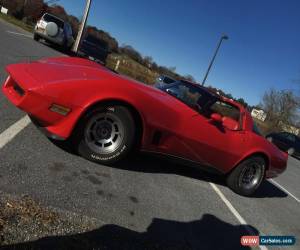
[
  {"x": 68, "y": 29},
  {"x": 226, "y": 109},
  {"x": 188, "y": 96}
]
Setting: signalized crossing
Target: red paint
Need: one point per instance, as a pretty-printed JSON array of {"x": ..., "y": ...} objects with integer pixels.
[{"x": 77, "y": 84}]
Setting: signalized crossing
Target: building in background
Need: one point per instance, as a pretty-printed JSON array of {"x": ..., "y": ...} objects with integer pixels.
[
  {"x": 289, "y": 128},
  {"x": 4, "y": 10},
  {"x": 259, "y": 114}
]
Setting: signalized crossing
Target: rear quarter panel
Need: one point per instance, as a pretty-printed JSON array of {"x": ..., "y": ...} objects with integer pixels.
[{"x": 258, "y": 145}]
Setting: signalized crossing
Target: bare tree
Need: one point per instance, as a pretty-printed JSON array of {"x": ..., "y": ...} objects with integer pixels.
[{"x": 281, "y": 106}]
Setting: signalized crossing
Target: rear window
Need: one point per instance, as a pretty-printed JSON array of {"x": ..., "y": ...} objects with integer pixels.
[
  {"x": 226, "y": 109},
  {"x": 49, "y": 18}
]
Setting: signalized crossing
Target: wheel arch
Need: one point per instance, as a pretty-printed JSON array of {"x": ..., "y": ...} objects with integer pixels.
[
  {"x": 258, "y": 154},
  {"x": 137, "y": 116}
]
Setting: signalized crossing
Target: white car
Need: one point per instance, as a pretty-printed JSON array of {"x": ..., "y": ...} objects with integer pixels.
[{"x": 54, "y": 30}]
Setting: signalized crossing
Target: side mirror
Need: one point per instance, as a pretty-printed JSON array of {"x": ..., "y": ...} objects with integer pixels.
[
  {"x": 216, "y": 117},
  {"x": 230, "y": 124}
]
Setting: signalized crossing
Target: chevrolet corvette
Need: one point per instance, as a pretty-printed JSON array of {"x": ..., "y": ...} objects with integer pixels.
[{"x": 106, "y": 116}]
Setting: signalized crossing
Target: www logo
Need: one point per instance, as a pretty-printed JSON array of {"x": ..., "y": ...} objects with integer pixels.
[
  {"x": 250, "y": 240},
  {"x": 268, "y": 240}
]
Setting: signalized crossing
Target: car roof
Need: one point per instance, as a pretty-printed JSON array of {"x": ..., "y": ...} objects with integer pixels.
[{"x": 54, "y": 16}]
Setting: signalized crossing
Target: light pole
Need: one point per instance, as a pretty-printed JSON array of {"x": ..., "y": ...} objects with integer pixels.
[
  {"x": 223, "y": 37},
  {"x": 82, "y": 26}
]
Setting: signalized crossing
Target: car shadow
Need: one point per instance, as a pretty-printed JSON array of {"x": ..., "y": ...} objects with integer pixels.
[
  {"x": 207, "y": 233},
  {"x": 146, "y": 163},
  {"x": 269, "y": 190}
]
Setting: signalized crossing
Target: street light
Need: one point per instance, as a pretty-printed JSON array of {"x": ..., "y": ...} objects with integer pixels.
[{"x": 223, "y": 37}]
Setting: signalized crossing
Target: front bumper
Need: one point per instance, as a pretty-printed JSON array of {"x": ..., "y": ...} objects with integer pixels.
[
  {"x": 36, "y": 105},
  {"x": 45, "y": 131}
]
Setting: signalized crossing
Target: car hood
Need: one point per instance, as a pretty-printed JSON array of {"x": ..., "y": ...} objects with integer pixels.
[
  {"x": 54, "y": 70},
  {"x": 67, "y": 68}
]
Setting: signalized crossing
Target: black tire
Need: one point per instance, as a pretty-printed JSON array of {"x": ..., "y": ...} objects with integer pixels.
[
  {"x": 36, "y": 37},
  {"x": 239, "y": 176},
  {"x": 105, "y": 135}
]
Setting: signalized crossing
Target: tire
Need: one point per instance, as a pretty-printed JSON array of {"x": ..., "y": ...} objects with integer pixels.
[
  {"x": 51, "y": 29},
  {"x": 246, "y": 178},
  {"x": 105, "y": 135},
  {"x": 291, "y": 151},
  {"x": 36, "y": 37}
]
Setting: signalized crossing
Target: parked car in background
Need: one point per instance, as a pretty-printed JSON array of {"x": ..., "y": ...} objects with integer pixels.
[
  {"x": 163, "y": 80},
  {"x": 94, "y": 49},
  {"x": 287, "y": 142},
  {"x": 54, "y": 30}
]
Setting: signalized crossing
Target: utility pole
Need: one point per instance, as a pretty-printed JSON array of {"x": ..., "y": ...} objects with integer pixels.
[
  {"x": 82, "y": 26},
  {"x": 224, "y": 37}
]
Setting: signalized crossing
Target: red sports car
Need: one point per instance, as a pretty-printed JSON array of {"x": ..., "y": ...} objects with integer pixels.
[{"x": 106, "y": 116}]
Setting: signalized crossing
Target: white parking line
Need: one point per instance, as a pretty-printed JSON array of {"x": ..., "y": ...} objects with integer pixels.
[
  {"x": 284, "y": 190},
  {"x": 13, "y": 130},
  {"x": 235, "y": 212},
  {"x": 18, "y": 34}
]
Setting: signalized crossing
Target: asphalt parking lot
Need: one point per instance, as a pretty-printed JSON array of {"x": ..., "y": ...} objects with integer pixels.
[{"x": 145, "y": 196}]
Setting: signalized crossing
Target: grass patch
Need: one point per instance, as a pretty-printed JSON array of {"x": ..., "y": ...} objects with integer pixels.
[
  {"x": 17, "y": 22},
  {"x": 131, "y": 68}
]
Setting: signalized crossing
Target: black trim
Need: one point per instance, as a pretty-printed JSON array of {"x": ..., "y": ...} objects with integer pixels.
[
  {"x": 18, "y": 89},
  {"x": 186, "y": 162}
]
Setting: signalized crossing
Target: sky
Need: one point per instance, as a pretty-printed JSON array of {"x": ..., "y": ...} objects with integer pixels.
[{"x": 263, "y": 50}]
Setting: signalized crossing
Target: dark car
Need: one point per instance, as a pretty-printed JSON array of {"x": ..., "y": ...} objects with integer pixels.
[
  {"x": 162, "y": 81},
  {"x": 94, "y": 48},
  {"x": 287, "y": 142}
]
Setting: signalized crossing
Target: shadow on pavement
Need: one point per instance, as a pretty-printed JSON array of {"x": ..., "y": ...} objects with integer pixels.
[
  {"x": 149, "y": 164},
  {"x": 207, "y": 233},
  {"x": 268, "y": 190}
]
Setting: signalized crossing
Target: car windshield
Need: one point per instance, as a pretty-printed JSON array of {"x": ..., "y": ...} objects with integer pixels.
[
  {"x": 49, "y": 18},
  {"x": 190, "y": 94}
]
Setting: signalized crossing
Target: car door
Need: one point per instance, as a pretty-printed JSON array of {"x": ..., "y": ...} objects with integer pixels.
[
  {"x": 193, "y": 135},
  {"x": 212, "y": 143}
]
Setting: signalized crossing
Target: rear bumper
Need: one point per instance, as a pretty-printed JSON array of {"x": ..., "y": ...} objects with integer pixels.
[
  {"x": 277, "y": 166},
  {"x": 56, "y": 40}
]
